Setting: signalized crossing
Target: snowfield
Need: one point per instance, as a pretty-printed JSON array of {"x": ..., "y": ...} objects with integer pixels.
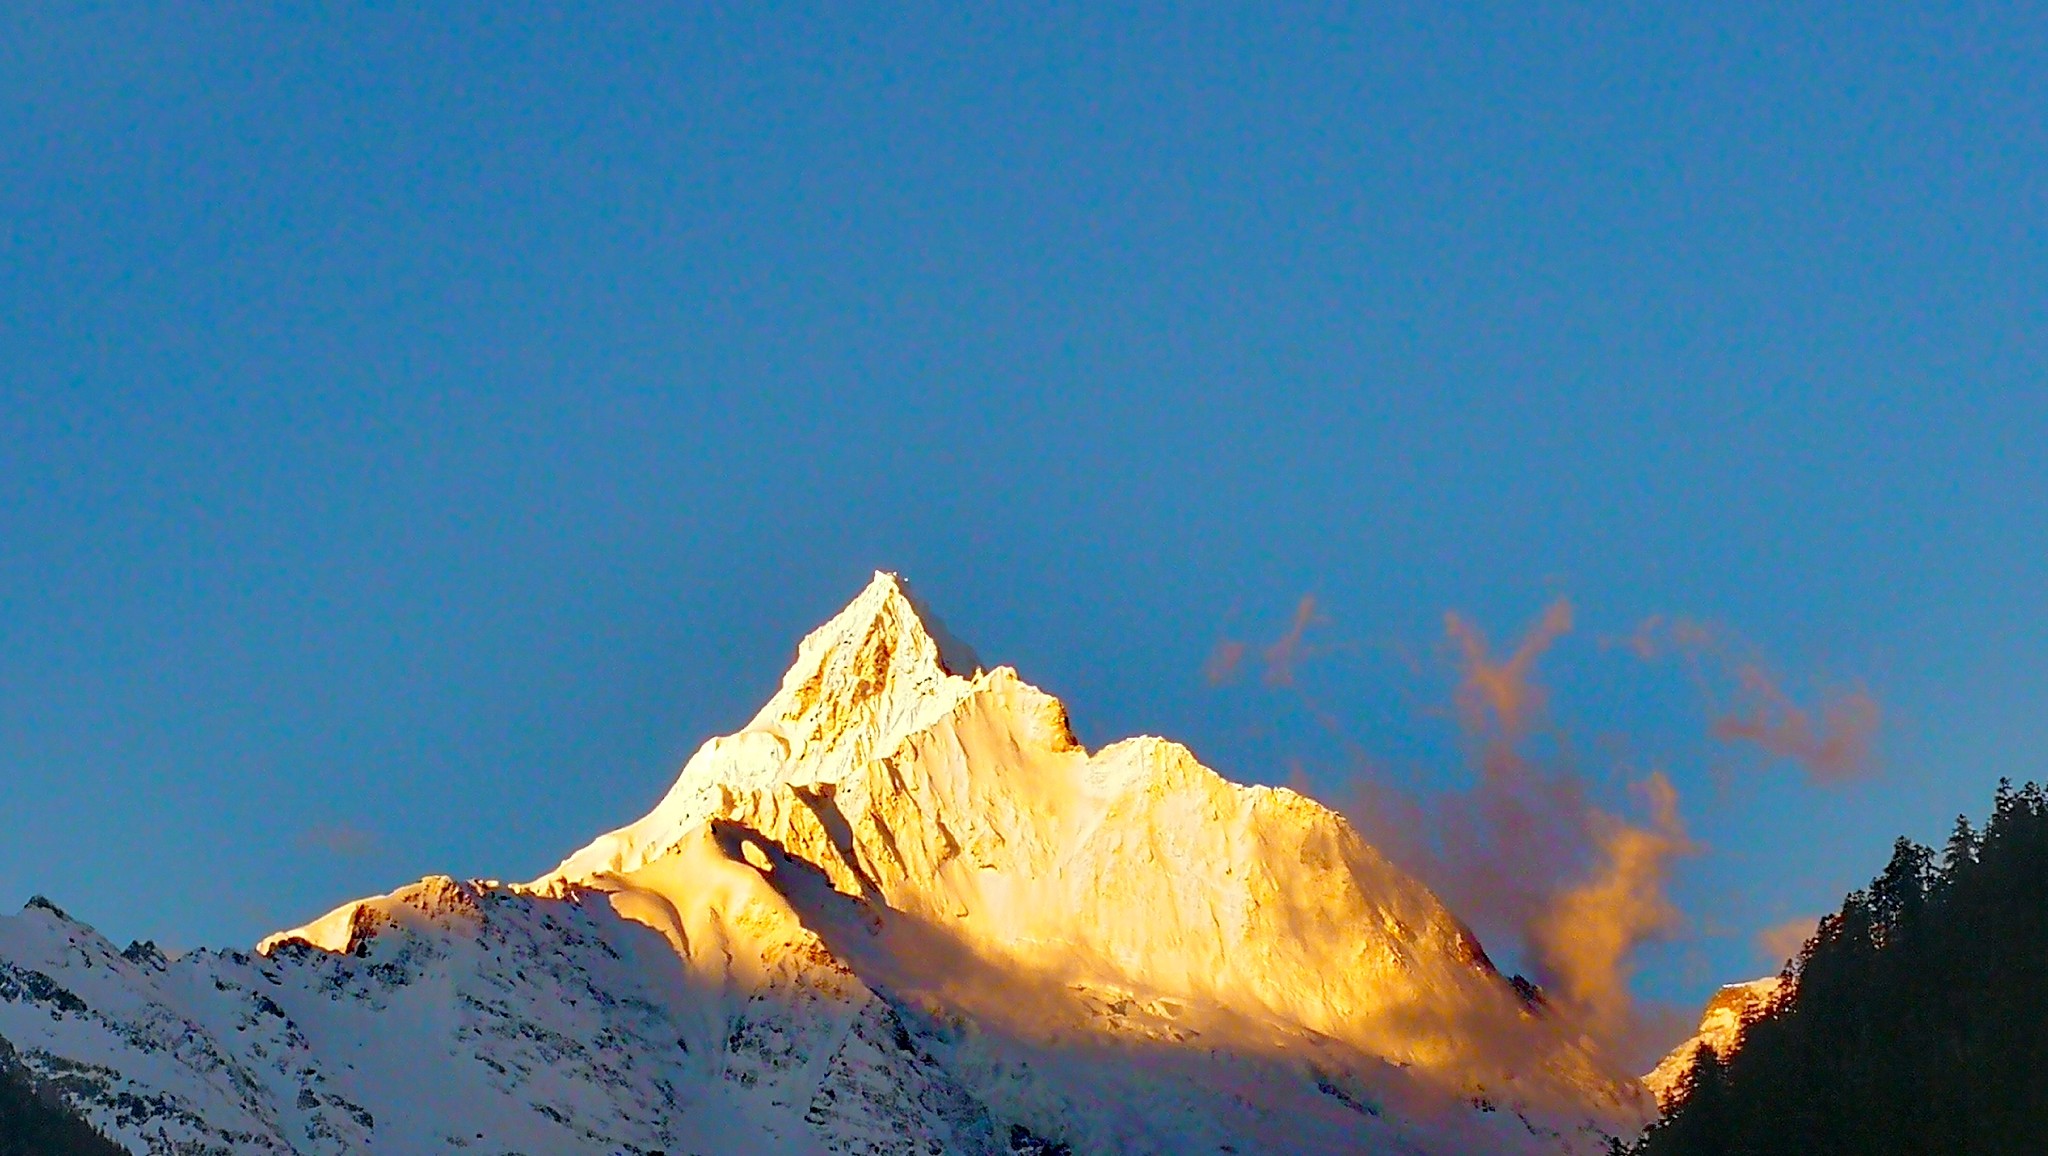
[{"x": 901, "y": 911}]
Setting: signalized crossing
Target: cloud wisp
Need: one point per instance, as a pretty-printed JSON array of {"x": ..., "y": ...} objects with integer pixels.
[
  {"x": 1524, "y": 851},
  {"x": 1291, "y": 649},
  {"x": 1224, "y": 662},
  {"x": 1526, "y": 848},
  {"x": 337, "y": 839},
  {"x": 1779, "y": 942},
  {"x": 1834, "y": 741},
  {"x": 1586, "y": 936},
  {"x": 1500, "y": 692},
  {"x": 1575, "y": 874},
  {"x": 1279, "y": 660}
]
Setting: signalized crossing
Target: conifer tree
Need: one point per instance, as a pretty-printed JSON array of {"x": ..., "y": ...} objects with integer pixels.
[{"x": 1915, "y": 1021}]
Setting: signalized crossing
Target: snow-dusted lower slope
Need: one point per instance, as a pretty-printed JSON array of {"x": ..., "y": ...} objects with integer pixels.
[
  {"x": 901, "y": 911},
  {"x": 1721, "y": 1024}
]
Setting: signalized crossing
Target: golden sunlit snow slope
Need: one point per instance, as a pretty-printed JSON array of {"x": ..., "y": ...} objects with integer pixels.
[
  {"x": 1720, "y": 1028},
  {"x": 898, "y": 820},
  {"x": 962, "y": 799}
]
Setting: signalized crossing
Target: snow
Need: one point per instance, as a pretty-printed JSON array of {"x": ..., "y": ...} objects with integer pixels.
[
  {"x": 1721, "y": 1024},
  {"x": 902, "y": 910}
]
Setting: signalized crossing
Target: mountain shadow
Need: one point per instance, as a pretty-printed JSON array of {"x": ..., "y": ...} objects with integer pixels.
[
  {"x": 34, "y": 1124},
  {"x": 1914, "y": 1021}
]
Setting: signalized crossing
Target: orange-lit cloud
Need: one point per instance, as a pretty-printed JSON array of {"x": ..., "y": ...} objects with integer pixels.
[
  {"x": 1781, "y": 941},
  {"x": 1586, "y": 937},
  {"x": 1528, "y": 850},
  {"x": 1501, "y": 689},
  {"x": 1223, "y": 662},
  {"x": 1280, "y": 658},
  {"x": 1289, "y": 650},
  {"x": 1833, "y": 741},
  {"x": 1525, "y": 851},
  {"x": 1834, "y": 746}
]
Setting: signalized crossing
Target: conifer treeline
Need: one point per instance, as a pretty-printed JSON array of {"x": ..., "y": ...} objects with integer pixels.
[
  {"x": 1915, "y": 1021},
  {"x": 33, "y": 1124}
]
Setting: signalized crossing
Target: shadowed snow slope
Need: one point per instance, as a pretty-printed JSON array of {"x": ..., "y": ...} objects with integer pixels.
[{"x": 902, "y": 910}]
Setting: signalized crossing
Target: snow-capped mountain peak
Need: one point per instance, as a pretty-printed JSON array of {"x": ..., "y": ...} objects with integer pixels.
[
  {"x": 878, "y": 671},
  {"x": 902, "y": 909},
  {"x": 869, "y": 672}
]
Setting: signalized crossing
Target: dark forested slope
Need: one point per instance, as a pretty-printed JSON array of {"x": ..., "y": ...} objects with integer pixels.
[
  {"x": 1915, "y": 1021},
  {"x": 33, "y": 1125}
]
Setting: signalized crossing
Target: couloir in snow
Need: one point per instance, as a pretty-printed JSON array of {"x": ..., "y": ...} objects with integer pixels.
[{"x": 900, "y": 911}]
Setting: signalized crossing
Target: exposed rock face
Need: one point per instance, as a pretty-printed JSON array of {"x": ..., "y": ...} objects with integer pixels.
[
  {"x": 1720, "y": 1029},
  {"x": 902, "y": 910}
]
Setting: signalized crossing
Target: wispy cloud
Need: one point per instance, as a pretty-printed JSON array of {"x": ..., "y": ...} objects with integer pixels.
[
  {"x": 1279, "y": 659},
  {"x": 1224, "y": 662},
  {"x": 1781, "y": 941},
  {"x": 337, "y": 839},
  {"x": 1527, "y": 852},
  {"x": 1833, "y": 740},
  {"x": 1290, "y": 649},
  {"x": 1588, "y": 933},
  {"x": 1500, "y": 692}
]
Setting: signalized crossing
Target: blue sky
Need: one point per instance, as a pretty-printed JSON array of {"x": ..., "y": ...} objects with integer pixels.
[{"x": 419, "y": 431}]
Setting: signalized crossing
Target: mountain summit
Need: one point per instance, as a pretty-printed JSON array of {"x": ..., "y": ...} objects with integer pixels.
[{"x": 901, "y": 910}]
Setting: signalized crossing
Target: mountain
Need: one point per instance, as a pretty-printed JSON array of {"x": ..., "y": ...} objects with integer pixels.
[
  {"x": 1720, "y": 1029},
  {"x": 33, "y": 1124},
  {"x": 902, "y": 910}
]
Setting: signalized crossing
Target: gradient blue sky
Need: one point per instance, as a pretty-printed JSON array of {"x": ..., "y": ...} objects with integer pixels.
[{"x": 419, "y": 431}]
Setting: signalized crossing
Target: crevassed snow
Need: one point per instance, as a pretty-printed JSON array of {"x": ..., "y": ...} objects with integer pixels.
[{"x": 901, "y": 911}]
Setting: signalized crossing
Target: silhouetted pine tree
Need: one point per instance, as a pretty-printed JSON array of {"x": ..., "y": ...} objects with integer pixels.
[{"x": 1915, "y": 1021}]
